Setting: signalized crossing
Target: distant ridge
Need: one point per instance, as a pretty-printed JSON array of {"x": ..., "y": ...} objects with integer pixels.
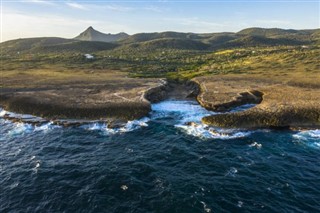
[
  {"x": 91, "y": 34},
  {"x": 92, "y": 41}
]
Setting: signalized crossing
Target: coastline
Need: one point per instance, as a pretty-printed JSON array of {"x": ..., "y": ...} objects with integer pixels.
[
  {"x": 76, "y": 106},
  {"x": 58, "y": 107},
  {"x": 276, "y": 106}
]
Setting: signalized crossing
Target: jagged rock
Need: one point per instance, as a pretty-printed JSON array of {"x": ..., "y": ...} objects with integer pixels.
[
  {"x": 190, "y": 123},
  {"x": 116, "y": 124}
]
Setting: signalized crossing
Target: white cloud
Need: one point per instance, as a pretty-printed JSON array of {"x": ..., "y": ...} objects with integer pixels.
[
  {"x": 117, "y": 8},
  {"x": 77, "y": 6},
  {"x": 16, "y": 24},
  {"x": 44, "y": 2},
  {"x": 95, "y": 7}
]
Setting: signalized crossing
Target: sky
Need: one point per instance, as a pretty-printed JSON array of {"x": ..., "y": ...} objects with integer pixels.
[{"x": 68, "y": 18}]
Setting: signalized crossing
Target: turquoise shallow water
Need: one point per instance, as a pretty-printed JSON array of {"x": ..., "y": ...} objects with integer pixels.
[{"x": 158, "y": 164}]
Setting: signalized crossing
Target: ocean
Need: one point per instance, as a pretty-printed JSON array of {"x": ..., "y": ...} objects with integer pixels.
[{"x": 158, "y": 164}]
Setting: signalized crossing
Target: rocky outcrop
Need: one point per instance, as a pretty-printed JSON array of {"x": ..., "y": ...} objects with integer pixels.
[
  {"x": 127, "y": 100},
  {"x": 289, "y": 117},
  {"x": 53, "y": 110},
  {"x": 278, "y": 104},
  {"x": 220, "y": 96},
  {"x": 157, "y": 93}
]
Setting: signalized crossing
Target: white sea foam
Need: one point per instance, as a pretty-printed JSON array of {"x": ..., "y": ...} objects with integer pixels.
[
  {"x": 37, "y": 166},
  {"x": 46, "y": 127},
  {"x": 129, "y": 126},
  {"x": 14, "y": 185},
  {"x": 20, "y": 128},
  {"x": 240, "y": 204},
  {"x": 204, "y": 131},
  {"x": 256, "y": 144},
  {"x": 183, "y": 111},
  {"x": 205, "y": 207},
  {"x": 133, "y": 125},
  {"x": 124, "y": 187},
  {"x": 17, "y": 115},
  {"x": 94, "y": 126},
  {"x": 232, "y": 172},
  {"x": 2, "y": 112},
  {"x": 24, "y": 128},
  {"x": 309, "y": 137},
  {"x": 187, "y": 117}
]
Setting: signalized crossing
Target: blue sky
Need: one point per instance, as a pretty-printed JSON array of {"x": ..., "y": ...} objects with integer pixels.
[{"x": 67, "y": 18}]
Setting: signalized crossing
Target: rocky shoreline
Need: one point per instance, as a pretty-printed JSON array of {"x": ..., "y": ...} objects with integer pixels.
[
  {"x": 65, "y": 107},
  {"x": 278, "y": 105},
  {"x": 74, "y": 106}
]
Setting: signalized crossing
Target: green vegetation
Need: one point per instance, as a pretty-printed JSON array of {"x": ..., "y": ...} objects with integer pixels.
[
  {"x": 56, "y": 73},
  {"x": 172, "y": 55}
]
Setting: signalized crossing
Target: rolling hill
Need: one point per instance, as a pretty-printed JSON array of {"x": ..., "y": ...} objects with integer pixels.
[
  {"x": 52, "y": 45},
  {"x": 93, "y": 41},
  {"x": 170, "y": 43}
]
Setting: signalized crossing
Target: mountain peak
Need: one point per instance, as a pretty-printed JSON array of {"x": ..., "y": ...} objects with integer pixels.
[
  {"x": 91, "y": 34},
  {"x": 90, "y": 29}
]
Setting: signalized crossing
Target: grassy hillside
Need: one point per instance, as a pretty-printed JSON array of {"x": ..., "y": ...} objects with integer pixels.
[
  {"x": 274, "y": 32},
  {"x": 52, "y": 45},
  {"x": 171, "y": 43},
  {"x": 268, "y": 61},
  {"x": 173, "y": 55},
  {"x": 76, "y": 46},
  {"x": 22, "y": 45},
  {"x": 165, "y": 40},
  {"x": 142, "y": 37}
]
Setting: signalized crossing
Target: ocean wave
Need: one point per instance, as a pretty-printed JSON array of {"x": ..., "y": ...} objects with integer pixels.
[
  {"x": 187, "y": 117},
  {"x": 182, "y": 111},
  {"x": 16, "y": 129},
  {"x": 2, "y": 112},
  {"x": 204, "y": 131},
  {"x": 19, "y": 128},
  {"x": 128, "y": 127},
  {"x": 256, "y": 144},
  {"x": 309, "y": 137}
]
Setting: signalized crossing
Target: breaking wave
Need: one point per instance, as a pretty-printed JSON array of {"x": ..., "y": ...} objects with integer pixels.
[
  {"x": 187, "y": 117},
  {"x": 309, "y": 137},
  {"x": 127, "y": 127}
]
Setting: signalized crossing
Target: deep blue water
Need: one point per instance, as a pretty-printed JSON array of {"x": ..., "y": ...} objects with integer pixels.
[{"x": 158, "y": 164}]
